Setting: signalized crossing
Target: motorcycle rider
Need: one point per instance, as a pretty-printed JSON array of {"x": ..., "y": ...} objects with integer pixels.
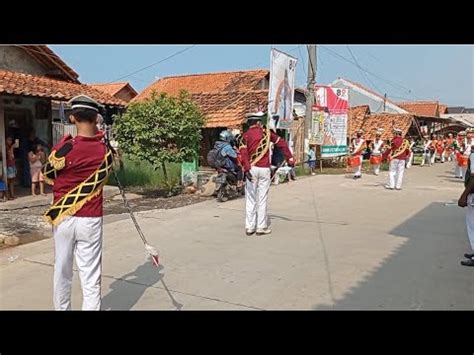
[{"x": 229, "y": 154}]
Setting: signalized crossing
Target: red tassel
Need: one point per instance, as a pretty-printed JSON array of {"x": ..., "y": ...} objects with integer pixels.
[{"x": 155, "y": 259}]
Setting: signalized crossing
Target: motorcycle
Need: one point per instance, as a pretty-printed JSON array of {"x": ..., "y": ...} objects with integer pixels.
[{"x": 226, "y": 185}]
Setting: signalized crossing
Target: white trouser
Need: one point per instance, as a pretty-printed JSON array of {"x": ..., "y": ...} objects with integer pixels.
[
  {"x": 433, "y": 157},
  {"x": 470, "y": 220},
  {"x": 81, "y": 236},
  {"x": 256, "y": 196},
  {"x": 358, "y": 168},
  {"x": 459, "y": 171},
  {"x": 410, "y": 161},
  {"x": 426, "y": 158},
  {"x": 376, "y": 169},
  {"x": 397, "y": 168}
]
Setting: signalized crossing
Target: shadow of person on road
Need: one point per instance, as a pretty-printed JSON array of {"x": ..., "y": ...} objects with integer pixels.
[{"x": 128, "y": 289}]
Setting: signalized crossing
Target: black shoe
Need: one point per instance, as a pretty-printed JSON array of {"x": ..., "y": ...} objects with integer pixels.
[
  {"x": 469, "y": 262},
  {"x": 355, "y": 178},
  {"x": 469, "y": 256}
]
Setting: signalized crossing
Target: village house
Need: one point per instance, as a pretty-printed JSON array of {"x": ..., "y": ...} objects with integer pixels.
[
  {"x": 225, "y": 98},
  {"x": 31, "y": 78},
  {"x": 123, "y": 91}
]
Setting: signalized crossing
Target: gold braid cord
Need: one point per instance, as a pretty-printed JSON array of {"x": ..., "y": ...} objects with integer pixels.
[
  {"x": 52, "y": 166},
  {"x": 75, "y": 199},
  {"x": 404, "y": 146},
  {"x": 262, "y": 148}
]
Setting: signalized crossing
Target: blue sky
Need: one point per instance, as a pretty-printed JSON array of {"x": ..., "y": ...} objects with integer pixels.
[{"x": 409, "y": 72}]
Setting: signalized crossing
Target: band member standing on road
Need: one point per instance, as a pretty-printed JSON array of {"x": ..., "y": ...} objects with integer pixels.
[
  {"x": 461, "y": 156},
  {"x": 397, "y": 156},
  {"x": 427, "y": 143},
  {"x": 358, "y": 146},
  {"x": 255, "y": 152},
  {"x": 376, "y": 148},
  {"x": 79, "y": 168},
  {"x": 467, "y": 200},
  {"x": 412, "y": 155}
]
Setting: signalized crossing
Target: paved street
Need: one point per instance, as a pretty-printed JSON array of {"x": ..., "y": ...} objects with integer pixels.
[{"x": 336, "y": 244}]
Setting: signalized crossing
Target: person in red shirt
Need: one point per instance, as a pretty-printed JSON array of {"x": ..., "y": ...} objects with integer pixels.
[
  {"x": 79, "y": 168},
  {"x": 398, "y": 153},
  {"x": 255, "y": 156}
]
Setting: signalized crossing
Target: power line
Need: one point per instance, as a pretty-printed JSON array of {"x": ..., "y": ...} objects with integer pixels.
[
  {"x": 156, "y": 63},
  {"x": 369, "y": 82},
  {"x": 391, "y": 83}
]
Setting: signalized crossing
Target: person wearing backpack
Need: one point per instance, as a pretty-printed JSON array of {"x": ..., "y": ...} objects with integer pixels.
[{"x": 223, "y": 155}]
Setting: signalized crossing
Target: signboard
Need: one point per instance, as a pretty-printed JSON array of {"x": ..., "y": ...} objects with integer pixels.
[
  {"x": 281, "y": 91},
  {"x": 335, "y": 101},
  {"x": 189, "y": 173}
]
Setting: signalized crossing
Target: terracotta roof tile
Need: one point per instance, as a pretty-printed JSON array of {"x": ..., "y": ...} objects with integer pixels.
[
  {"x": 112, "y": 88},
  {"x": 29, "y": 85},
  {"x": 421, "y": 108},
  {"x": 210, "y": 82},
  {"x": 360, "y": 118},
  {"x": 229, "y": 109}
]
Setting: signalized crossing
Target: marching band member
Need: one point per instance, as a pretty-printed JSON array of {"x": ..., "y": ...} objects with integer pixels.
[
  {"x": 78, "y": 168},
  {"x": 255, "y": 153},
  {"x": 448, "y": 153},
  {"x": 397, "y": 156},
  {"x": 440, "y": 145},
  {"x": 434, "y": 142},
  {"x": 411, "y": 157},
  {"x": 376, "y": 148},
  {"x": 358, "y": 146},
  {"x": 427, "y": 142},
  {"x": 461, "y": 148}
]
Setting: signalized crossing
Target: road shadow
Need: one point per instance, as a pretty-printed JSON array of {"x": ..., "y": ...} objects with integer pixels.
[
  {"x": 127, "y": 290},
  {"x": 422, "y": 273}
]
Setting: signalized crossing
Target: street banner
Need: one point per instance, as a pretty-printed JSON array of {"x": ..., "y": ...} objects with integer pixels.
[
  {"x": 334, "y": 102},
  {"x": 281, "y": 91}
]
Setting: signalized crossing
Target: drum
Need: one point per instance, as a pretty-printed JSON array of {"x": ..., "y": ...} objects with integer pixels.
[
  {"x": 375, "y": 159},
  {"x": 462, "y": 161},
  {"x": 353, "y": 161}
]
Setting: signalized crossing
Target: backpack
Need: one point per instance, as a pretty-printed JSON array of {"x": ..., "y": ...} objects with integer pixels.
[{"x": 215, "y": 159}]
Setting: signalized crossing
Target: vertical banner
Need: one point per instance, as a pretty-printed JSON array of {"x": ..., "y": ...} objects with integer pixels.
[
  {"x": 281, "y": 91},
  {"x": 335, "y": 101},
  {"x": 317, "y": 126}
]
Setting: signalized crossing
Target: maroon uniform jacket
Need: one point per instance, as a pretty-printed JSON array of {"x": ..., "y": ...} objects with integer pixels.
[
  {"x": 82, "y": 161},
  {"x": 251, "y": 141},
  {"x": 396, "y": 143}
]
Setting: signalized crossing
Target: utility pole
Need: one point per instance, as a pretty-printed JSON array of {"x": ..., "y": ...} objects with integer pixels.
[
  {"x": 384, "y": 101},
  {"x": 311, "y": 80}
]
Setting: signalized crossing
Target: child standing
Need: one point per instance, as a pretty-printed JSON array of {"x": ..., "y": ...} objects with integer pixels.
[
  {"x": 11, "y": 167},
  {"x": 312, "y": 159},
  {"x": 36, "y": 158}
]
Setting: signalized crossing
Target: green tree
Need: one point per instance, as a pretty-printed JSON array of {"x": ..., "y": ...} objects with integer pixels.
[{"x": 162, "y": 129}]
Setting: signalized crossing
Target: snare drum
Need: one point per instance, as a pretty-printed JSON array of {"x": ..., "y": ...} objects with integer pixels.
[
  {"x": 462, "y": 161},
  {"x": 375, "y": 159},
  {"x": 353, "y": 161}
]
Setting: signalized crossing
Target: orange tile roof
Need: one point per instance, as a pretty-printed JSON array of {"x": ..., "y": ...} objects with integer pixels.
[
  {"x": 30, "y": 85},
  {"x": 360, "y": 118},
  {"x": 421, "y": 108},
  {"x": 112, "y": 88},
  {"x": 228, "y": 109},
  {"x": 210, "y": 82},
  {"x": 356, "y": 116}
]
